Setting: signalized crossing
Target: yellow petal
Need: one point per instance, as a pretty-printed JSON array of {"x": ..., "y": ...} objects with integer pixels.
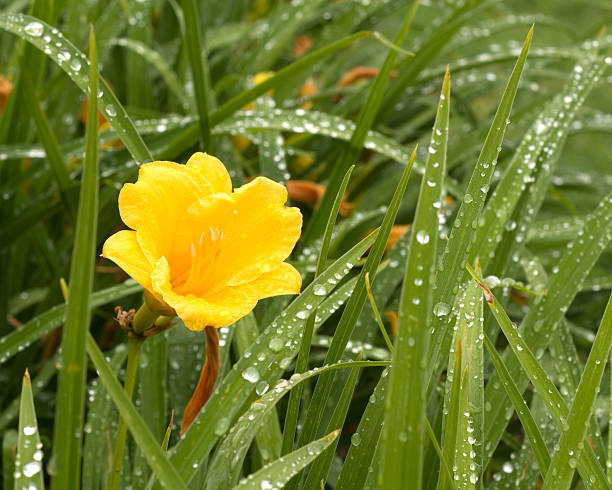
[
  {"x": 123, "y": 249},
  {"x": 213, "y": 170},
  {"x": 227, "y": 305},
  {"x": 154, "y": 205},
  {"x": 229, "y": 240}
]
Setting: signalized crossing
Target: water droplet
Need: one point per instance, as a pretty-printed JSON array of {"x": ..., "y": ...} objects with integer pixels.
[
  {"x": 110, "y": 110},
  {"x": 261, "y": 388},
  {"x": 34, "y": 29},
  {"x": 302, "y": 314},
  {"x": 75, "y": 64},
  {"x": 29, "y": 430},
  {"x": 468, "y": 198},
  {"x": 222, "y": 426},
  {"x": 275, "y": 344},
  {"x": 31, "y": 468},
  {"x": 422, "y": 237},
  {"x": 319, "y": 290},
  {"x": 251, "y": 374},
  {"x": 441, "y": 309},
  {"x": 356, "y": 439}
]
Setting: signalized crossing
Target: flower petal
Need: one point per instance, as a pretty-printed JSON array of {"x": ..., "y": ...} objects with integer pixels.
[
  {"x": 154, "y": 205},
  {"x": 123, "y": 249},
  {"x": 229, "y": 240},
  {"x": 228, "y": 305},
  {"x": 213, "y": 170}
]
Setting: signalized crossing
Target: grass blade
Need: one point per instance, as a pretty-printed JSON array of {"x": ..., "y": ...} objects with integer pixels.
[
  {"x": 591, "y": 471},
  {"x": 462, "y": 234},
  {"x": 561, "y": 470},
  {"x": 520, "y": 406},
  {"x": 404, "y": 433},
  {"x": 282, "y": 470},
  {"x": 350, "y": 315},
  {"x": 28, "y": 465},
  {"x": 73, "y": 371},
  {"x": 276, "y": 346},
  {"x": 33, "y": 330},
  {"x": 364, "y": 122},
  {"x": 293, "y": 406},
  {"x": 199, "y": 68},
  {"x": 22, "y": 25},
  {"x": 150, "y": 447},
  {"x": 235, "y": 445}
]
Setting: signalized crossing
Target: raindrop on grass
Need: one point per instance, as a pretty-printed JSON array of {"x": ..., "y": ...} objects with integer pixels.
[
  {"x": 422, "y": 237},
  {"x": 34, "y": 29},
  {"x": 441, "y": 309},
  {"x": 251, "y": 374}
]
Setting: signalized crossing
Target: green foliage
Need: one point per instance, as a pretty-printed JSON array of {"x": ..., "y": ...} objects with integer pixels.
[{"x": 496, "y": 296}]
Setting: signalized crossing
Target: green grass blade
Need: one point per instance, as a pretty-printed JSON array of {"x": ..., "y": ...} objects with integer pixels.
[
  {"x": 156, "y": 60},
  {"x": 522, "y": 409},
  {"x": 561, "y": 470},
  {"x": 350, "y": 315},
  {"x": 590, "y": 469},
  {"x": 199, "y": 67},
  {"x": 293, "y": 406},
  {"x": 28, "y": 465},
  {"x": 9, "y": 443},
  {"x": 277, "y": 346},
  {"x": 451, "y": 421},
  {"x": 282, "y": 470},
  {"x": 468, "y": 448},
  {"x": 235, "y": 445},
  {"x": 42, "y": 379},
  {"x": 151, "y": 448},
  {"x": 365, "y": 120},
  {"x": 539, "y": 325},
  {"x": 269, "y": 437},
  {"x": 462, "y": 234},
  {"x": 365, "y": 440},
  {"x": 100, "y": 428},
  {"x": 320, "y": 468},
  {"x": 404, "y": 433},
  {"x": 138, "y": 78},
  {"x": 153, "y": 388},
  {"x": 34, "y": 329},
  {"x": 73, "y": 368},
  {"x": 75, "y": 64},
  {"x": 47, "y": 138}
]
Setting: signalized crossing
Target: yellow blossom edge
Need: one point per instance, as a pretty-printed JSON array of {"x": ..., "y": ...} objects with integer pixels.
[{"x": 205, "y": 251}]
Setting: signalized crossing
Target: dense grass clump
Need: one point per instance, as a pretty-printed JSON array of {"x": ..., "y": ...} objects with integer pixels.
[{"x": 451, "y": 161}]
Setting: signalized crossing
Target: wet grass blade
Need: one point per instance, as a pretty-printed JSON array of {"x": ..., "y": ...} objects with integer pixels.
[
  {"x": 28, "y": 465},
  {"x": 75, "y": 64},
  {"x": 522, "y": 409},
  {"x": 199, "y": 68},
  {"x": 403, "y": 432},
  {"x": 282, "y": 470},
  {"x": 539, "y": 325},
  {"x": 150, "y": 447},
  {"x": 561, "y": 470},
  {"x": 351, "y": 313},
  {"x": 365, "y": 440},
  {"x": 365, "y": 120},
  {"x": 33, "y": 330},
  {"x": 293, "y": 406},
  {"x": 451, "y": 271},
  {"x": 237, "y": 441},
  {"x": 591, "y": 471},
  {"x": 270, "y": 356},
  {"x": 73, "y": 367}
]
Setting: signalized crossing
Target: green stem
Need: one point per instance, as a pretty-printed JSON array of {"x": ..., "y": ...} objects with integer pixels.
[
  {"x": 134, "y": 345},
  {"x": 143, "y": 319}
]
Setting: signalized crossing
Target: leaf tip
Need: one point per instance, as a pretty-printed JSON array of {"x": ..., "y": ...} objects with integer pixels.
[{"x": 26, "y": 377}]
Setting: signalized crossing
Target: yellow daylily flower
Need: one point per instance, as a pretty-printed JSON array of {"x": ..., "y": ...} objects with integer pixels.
[{"x": 204, "y": 251}]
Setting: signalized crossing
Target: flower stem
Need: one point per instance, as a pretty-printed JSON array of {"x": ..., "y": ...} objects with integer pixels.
[
  {"x": 144, "y": 319},
  {"x": 134, "y": 345}
]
